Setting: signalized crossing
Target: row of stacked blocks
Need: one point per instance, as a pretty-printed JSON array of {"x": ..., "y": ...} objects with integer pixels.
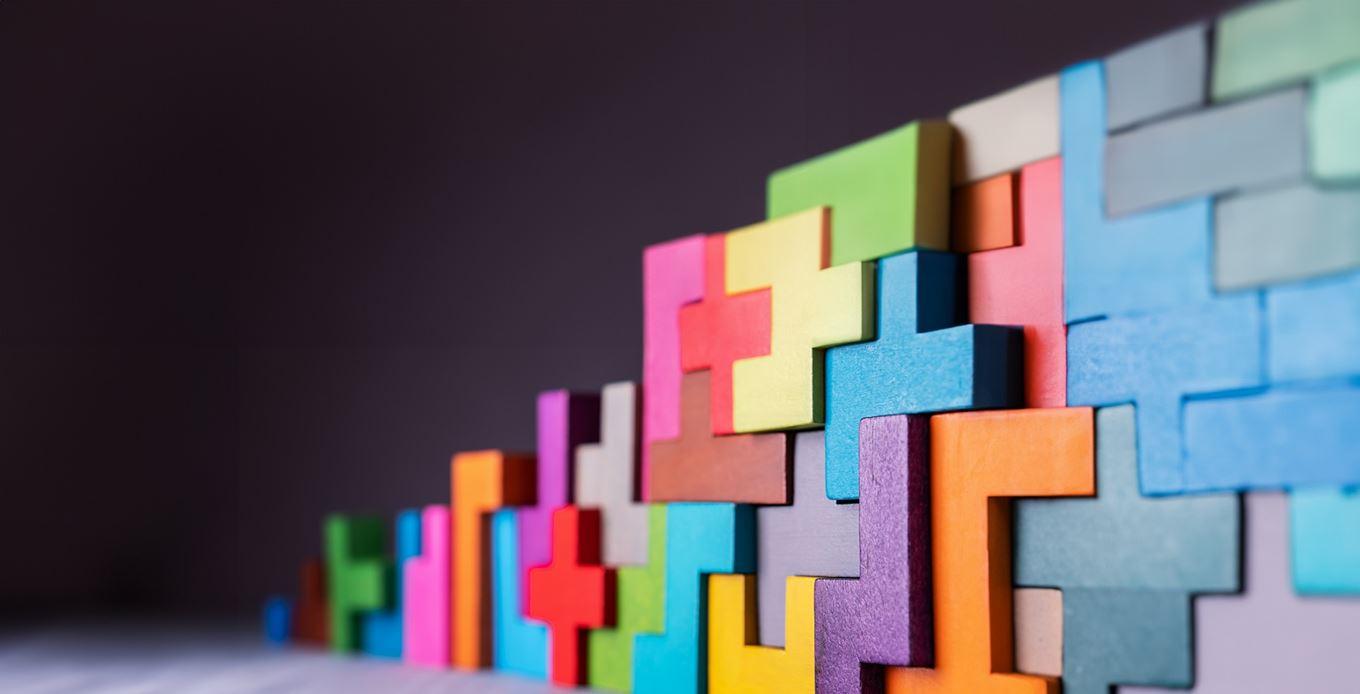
[{"x": 999, "y": 403}]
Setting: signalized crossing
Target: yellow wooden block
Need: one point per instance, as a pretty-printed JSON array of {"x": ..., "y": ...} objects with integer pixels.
[
  {"x": 812, "y": 307},
  {"x": 737, "y": 664}
]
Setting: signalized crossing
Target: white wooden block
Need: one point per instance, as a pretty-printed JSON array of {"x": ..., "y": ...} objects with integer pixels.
[
  {"x": 1004, "y": 132},
  {"x": 607, "y": 477}
]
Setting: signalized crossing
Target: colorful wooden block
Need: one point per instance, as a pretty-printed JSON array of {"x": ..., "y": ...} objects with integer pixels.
[
  {"x": 812, "y": 307},
  {"x": 1269, "y": 44},
  {"x": 923, "y": 360},
  {"x": 1285, "y": 234},
  {"x": 1333, "y": 138},
  {"x": 573, "y": 592},
  {"x": 607, "y": 476},
  {"x": 278, "y": 620},
  {"x": 425, "y": 594},
  {"x": 518, "y": 645},
  {"x": 312, "y": 615},
  {"x": 1324, "y": 531},
  {"x": 984, "y": 214},
  {"x": 359, "y": 575},
  {"x": 698, "y": 466},
  {"x": 884, "y": 616},
  {"x": 701, "y": 539},
  {"x": 1306, "y": 332},
  {"x": 887, "y": 194},
  {"x": 1022, "y": 285},
  {"x": 1038, "y": 631},
  {"x": 978, "y": 460},
  {"x": 1116, "y": 635},
  {"x": 382, "y": 629},
  {"x": 1006, "y": 131},
  {"x": 640, "y": 608},
  {"x": 1158, "y": 77},
  {"x": 737, "y": 663}
]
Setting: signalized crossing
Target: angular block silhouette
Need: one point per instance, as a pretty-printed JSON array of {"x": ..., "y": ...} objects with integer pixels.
[
  {"x": 518, "y": 645},
  {"x": 278, "y": 620},
  {"x": 640, "y": 608},
  {"x": 984, "y": 214},
  {"x": 1324, "y": 540},
  {"x": 1038, "y": 631},
  {"x": 1006, "y": 131},
  {"x": 672, "y": 276},
  {"x": 426, "y": 590},
  {"x": 312, "y": 613},
  {"x": 382, "y": 630},
  {"x": 573, "y": 592},
  {"x": 1270, "y": 44},
  {"x": 736, "y": 662},
  {"x": 359, "y": 575},
  {"x": 607, "y": 476},
  {"x": 1285, "y": 234},
  {"x": 1157, "y": 77}
]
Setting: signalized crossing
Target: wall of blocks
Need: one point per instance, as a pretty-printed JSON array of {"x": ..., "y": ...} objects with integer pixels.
[{"x": 1056, "y": 393}]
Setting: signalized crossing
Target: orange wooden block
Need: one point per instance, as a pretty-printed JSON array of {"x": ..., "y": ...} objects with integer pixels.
[
  {"x": 978, "y": 460},
  {"x": 984, "y": 214},
  {"x": 483, "y": 481},
  {"x": 312, "y": 620}
]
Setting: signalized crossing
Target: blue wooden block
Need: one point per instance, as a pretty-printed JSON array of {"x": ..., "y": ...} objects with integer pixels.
[
  {"x": 701, "y": 539},
  {"x": 517, "y": 644},
  {"x": 382, "y": 628},
  {"x": 1116, "y": 636},
  {"x": 1143, "y": 262},
  {"x": 278, "y": 620},
  {"x": 1155, "y": 360},
  {"x": 924, "y": 360},
  {"x": 1314, "y": 329},
  {"x": 1324, "y": 531}
]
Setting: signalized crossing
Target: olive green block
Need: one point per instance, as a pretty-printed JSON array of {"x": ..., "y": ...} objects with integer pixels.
[
  {"x": 641, "y": 608},
  {"x": 1275, "y": 43},
  {"x": 359, "y": 574},
  {"x": 1334, "y": 124}
]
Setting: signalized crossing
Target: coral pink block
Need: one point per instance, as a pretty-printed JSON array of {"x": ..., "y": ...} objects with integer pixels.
[
  {"x": 672, "y": 276},
  {"x": 1023, "y": 284},
  {"x": 425, "y": 593}
]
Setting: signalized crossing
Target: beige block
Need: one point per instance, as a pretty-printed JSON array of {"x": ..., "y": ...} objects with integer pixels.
[
  {"x": 1039, "y": 631},
  {"x": 1004, "y": 132}
]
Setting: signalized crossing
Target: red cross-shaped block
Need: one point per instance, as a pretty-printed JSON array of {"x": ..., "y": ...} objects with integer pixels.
[{"x": 573, "y": 592}]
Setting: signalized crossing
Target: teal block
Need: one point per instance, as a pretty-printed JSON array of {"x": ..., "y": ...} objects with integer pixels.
[
  {"x": 1324, "y": 530},
  {"x": 381, "y": 629},
  {"x": 1115, "y": 636},
  {"x": 1314, "y": 329},
  {"x": 518, "y": 644}
]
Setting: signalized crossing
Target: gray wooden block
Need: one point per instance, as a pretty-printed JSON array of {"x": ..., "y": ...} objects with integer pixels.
[
  {"x": 1157, "y": 77},
  {"x": 813, "y": 536},
  {"x": 607, "y": 477},
  {"x": 1253, "y": 143},
  {"x": 1285, "y": 234}
]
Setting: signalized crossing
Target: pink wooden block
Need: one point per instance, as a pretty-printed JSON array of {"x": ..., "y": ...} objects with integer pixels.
[
  {"x": 672, "y": 276},
  {"x": 1023, "y": 284},
  {"x": 425, "y": 593}
]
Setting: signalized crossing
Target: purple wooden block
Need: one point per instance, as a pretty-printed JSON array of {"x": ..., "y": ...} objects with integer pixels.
[{"x": 884, "y": 617}]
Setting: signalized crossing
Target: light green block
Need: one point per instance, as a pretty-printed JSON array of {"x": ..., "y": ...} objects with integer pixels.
[
  {"x": 358, "y": 574},
  {"x": 1334, "y": 124},
  {"x": 1270, "y": 44},
  {"x": 887, "y": 194},
  {"x": 641, "y": 603}
]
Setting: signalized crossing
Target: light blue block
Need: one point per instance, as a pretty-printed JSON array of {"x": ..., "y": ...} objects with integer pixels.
[
  {"x": 382, "y": 629},
  {"x": 1314, "y": 329},
  {"x": 924, "y": 360},
  {"x": 1144, "y": 262},
  {"x": 1324, "y": 530},
  {"x": 278, "y": 620},
  {"x": 517, "y": 644},
  {"x": 701, "y": 539}
]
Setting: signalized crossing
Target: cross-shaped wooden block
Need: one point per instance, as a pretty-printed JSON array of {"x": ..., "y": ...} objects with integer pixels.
[{"x": 573, "y": 592}]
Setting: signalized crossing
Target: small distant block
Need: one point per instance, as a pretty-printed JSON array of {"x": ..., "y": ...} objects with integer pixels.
[
  {"x": 1006, "y": 131},
  {"x": 984, "y": 214},
  {"x": 360, "y": 575},
  {"x": 1334, "y": 125},
  {"x": 278, "y": 620},
  {"x": 1324, "y": 529},
  {"x": 1285, "y": 234},
  {"x": 1157, "y": 77},
  {"x": 1269, "y": 44}
]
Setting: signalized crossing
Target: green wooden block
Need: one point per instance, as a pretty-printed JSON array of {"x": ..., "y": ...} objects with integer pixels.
[
  {"x": 1270, "y": 44},
  {"x": 359, "y": 574},
  {"x": 641, "y": 603},
  {"x": 887, "y": 194},
  {"x": 1334, "y": 124}
]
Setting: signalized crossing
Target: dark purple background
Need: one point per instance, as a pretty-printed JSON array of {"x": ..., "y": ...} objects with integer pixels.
[{"x": 265, "y": 260}]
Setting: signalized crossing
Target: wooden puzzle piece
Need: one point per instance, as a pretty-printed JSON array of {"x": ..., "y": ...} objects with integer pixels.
[
  {"x": 1269, "y": 44},
  {"x": 923, "y": 360},
  {"x": 518, "y": 645},
  {"x": 1114, "y": 635},
  {"x": 1324, "y": 532},
  {"x": 672, "y": 276},
  {"x": 698, "y": 466},
  {"x": 1038, "y": 631},
  {"x": 884, "y": 616},
  {"x": 607, "y": 476},
  {"x": 887, "y": 194},
  {"x": 812, "y": 307},
  {"x": 278, "y": 620},
  {"x": 1163, "y": 75},
  {"x": 312, "y": 618},
  {"x": 482, "y": 482},
  {"x": 1285, "y": 234},
  {"x": 425, "y": 601},
  {"x": 984, "y": 214},
  {"x": 359, "y": 575},
  {"x": 573, "y": 592},
  {"x": 978, "y": 461},
  {"x": 1333, "y": 139},
  {"x": 813, "y": 536},
  {"x": 701, "y": 539},
  {"x": 1022, "y": 285},
  {"x": 721, "y": 329},
  {"x": 382, "y": 629},
  {"x": 1304, "y": 328},
  {"x": 640, "y": 608},
  {"x": 1006, "y": 131},
  {"x": 737, "y": 663}
]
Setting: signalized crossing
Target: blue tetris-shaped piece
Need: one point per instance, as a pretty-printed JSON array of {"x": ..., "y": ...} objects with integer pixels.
[
  {"x": 924, "y": 360},
  {"x": 1324, "y": 531},
  {"x": 1314, "y": 330},
  {"x": 1155, "y": 361},
  {"x": 517, "y": 644},
  {"x": 700, "y": 539},
  {"x": 382, "y": 629},
  {"x": 278, "y": 620},
  {"x": 1148, "y": 261}
]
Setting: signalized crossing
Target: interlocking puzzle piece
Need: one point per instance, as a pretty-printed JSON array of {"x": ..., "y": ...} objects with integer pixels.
[
  {"x": 1269, "y": 44},
  {"x": 425, "y": 595},
  {"x": 922, "y": 361},
  {"x": 736, "y": 662},
  {"x": 640, "y": 608},
  {"x": 1156, "y": 360},
  {"x": 1006, "y": 131},
  {"x": 1307, "y": 330},
  {"x": 1333, "y": 139},
  {"x": 1125, "y": 635},
  {"x": 565, "y": 421},
  {"x": 482, "y": 482},
  {"x": 607, "y": 476},
  {"x": 382, "y": 630},
  {"x": 278, "y": 620},
  {"x": 978, "y": 460},
  {"x": 360, "y": 575},
  {"x": 813, "y": 536},
  {"x": 700, "y": 539},
  {"x": 672, "y": 276},
  {"x": 812, "y": 307},
  {"x": 518, "y": 645},
  {"x": 1157, "y": 77},
  {"x": 698, "y": 466},
  {"x": 1285, "y": 234},
  {"x": 573, "y": 592},
  {"x": 1268, "y": 639},
  {"x": 1022, "y": 285},
  {"x": 1146, "y": 262},
  {"x": 312, "y": 619},
  {"x": 1038, "y": 631},
  {"x": 887, "y": 194},
  {"x": 722, "y": 329},
  {"x": 884, "y": 616},
  {"x": 1324, "y": 531},
  {"x": 985, "y": 214}
]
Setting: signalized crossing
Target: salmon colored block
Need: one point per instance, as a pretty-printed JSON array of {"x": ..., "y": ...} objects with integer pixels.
[
  {"x": 1039, "y": 631},
  {"x": 483, "y": 481},
  {"x": 978, "y": 460},
  {"x": 672, "y": 276},
  {"x": 983, "y": 215},
  {"x": 312, "y": 621},
  {"x": 1023, "y": 284},
  {"x": 721, "y": 329},
  {"x": 737, "y": 663},
  {"x": 812, "y": 307},
  {"x": 425, "y": 601},
  {"x": 573, "y": 592}
]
